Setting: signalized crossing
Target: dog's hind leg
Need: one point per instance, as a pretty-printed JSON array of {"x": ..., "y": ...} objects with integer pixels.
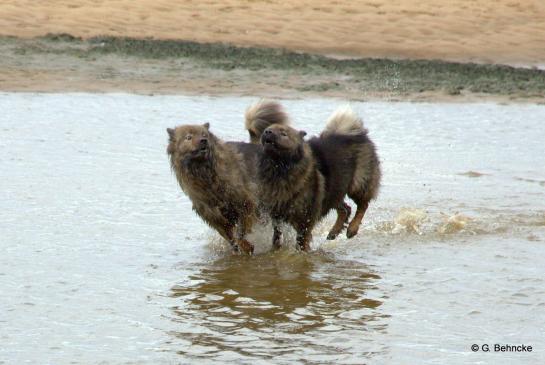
[
  {"x": 343, "y": 214},
  {"x": 364, "y": 186},
  {"x": 354, "y": 225}
]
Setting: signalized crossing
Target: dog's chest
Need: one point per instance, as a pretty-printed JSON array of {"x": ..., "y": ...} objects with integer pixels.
[
  {"x": 283, "y": 202},
  {"x": 211, "y": 193}
]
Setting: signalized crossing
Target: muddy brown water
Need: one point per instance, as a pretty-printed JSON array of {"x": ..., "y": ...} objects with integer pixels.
[{"x": 103, "y": 261}]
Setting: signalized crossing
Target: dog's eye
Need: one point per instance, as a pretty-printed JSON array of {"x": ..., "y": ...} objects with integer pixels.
[
  {"x": 283, "y": 134},
  {"x": 188, "y": 137}
]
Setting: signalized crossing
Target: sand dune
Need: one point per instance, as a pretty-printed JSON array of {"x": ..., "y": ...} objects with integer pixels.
[{"x": 500, "y": 31}]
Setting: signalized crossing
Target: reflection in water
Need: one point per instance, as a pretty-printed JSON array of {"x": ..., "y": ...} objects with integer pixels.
[{"x": 298, "y": 306}]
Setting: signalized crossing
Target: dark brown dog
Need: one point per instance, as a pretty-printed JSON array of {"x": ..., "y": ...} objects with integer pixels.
[
  {"x": 213, "y": 175},
  {"x": 259, "y": 117},
  {"x": 300, "y": 182}
]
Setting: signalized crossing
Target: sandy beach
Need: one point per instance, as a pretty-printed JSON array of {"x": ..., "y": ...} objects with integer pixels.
[{"x": 502, "y": 31}]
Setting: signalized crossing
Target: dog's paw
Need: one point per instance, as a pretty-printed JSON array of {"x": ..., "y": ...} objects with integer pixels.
[
  {"x": 351, "y": 233},
  {"x": 332, "y": 235},
  {"x": 246, "y": 247}
]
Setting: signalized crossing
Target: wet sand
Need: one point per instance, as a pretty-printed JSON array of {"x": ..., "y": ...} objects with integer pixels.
[{"x": 62, "y": 63}]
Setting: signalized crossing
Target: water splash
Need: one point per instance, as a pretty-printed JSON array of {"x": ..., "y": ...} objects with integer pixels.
[{"x": 453, "y": 224}]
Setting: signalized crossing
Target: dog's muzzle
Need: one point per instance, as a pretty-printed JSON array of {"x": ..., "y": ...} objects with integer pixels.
[
  {"x": 203, "y": 144},
  {"x": 268, "y": 139},
  {"x": 203, "y": 148}
]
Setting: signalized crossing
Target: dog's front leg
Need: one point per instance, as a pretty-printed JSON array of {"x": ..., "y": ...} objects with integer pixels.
[
  {"x": 304, "y": 236},
  {"x": 220, "y": 223},
  {"x": 277, "y": 236},
  {"x": 244, "y": 226},
  {"x": 226, "y": 231}
]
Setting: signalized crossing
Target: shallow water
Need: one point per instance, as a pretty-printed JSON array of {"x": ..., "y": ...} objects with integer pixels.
[{"x": 104, "y": 262}]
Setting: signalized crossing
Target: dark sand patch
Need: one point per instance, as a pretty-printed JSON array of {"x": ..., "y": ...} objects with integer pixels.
[{"x": 62, "y": 62}]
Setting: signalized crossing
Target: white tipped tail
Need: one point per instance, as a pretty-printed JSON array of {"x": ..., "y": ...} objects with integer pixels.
[
  {"x": 344, "y": 121},
  {"x": 265, "y": 113}
]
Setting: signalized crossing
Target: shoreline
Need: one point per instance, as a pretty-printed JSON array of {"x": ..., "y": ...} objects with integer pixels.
[{"x": 64, "y": 63}]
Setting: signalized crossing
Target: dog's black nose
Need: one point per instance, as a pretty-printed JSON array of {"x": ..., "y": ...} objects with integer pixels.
[
  {"x": 268, "y": 131},
  {"x": 203, "y": 142}
]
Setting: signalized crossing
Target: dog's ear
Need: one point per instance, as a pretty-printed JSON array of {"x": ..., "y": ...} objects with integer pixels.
[
  {"x": 207, "y": 126},
  {"x": 171, "y": 134},
  {"x": 302, "y": 134}
]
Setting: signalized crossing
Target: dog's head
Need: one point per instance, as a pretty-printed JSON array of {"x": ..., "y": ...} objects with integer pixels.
[
  {"x": 190, "y": 143},
  {"x": 261, "y": 115},
  {"x": 282, "y": 141}
]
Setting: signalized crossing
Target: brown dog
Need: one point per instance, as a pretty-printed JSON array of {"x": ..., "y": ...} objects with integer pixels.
[
  {"x": 213, "y": 175},
  {"x": 300, "y": 182},
  {"x": 259, "y": 117}
]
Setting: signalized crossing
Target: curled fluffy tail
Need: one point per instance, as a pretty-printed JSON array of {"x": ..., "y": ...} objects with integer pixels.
[
  {"x": 262, "y": 114},
  {"x": 344, "y": 121}
]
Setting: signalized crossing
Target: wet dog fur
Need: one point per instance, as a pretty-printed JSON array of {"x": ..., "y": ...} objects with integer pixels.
[
  {"x": 300, "y": 181},
  {"x": 230, "y": 168},
  {"x": 214, "y": 176},
  {"x": 258, "y": 117}
]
